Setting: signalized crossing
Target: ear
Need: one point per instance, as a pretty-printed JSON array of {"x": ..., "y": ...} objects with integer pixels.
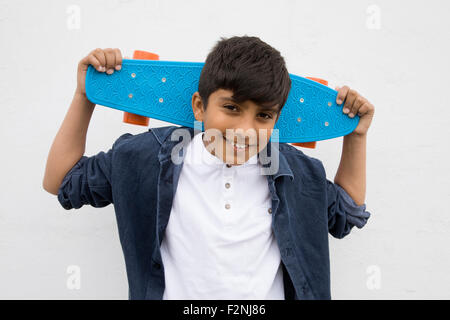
[{"x": 197, "y": 106}]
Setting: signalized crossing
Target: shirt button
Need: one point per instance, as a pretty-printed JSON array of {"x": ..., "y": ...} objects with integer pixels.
[
  {"x": 270, "y": 210},
  {"x": 227, "y": 185},
  {"x": 227, "y": 206}
]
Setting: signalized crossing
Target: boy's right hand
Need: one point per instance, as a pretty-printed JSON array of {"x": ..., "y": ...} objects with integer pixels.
[{"x": 103, "y": 60}]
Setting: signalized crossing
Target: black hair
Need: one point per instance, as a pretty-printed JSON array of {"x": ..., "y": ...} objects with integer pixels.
[{"x": 250, "y": 68}]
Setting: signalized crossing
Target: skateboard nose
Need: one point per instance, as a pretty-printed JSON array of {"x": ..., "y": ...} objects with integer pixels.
[{"x": 312, "y": 144}]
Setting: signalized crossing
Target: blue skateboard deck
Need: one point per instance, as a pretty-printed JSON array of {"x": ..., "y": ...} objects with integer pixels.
[{"x": 163, "y": 90}]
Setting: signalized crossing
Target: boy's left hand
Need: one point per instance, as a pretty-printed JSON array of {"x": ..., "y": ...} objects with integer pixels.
[{"x": 356, "y": 104}]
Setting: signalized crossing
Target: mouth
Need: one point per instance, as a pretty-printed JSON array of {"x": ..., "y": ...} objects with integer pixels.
[{"x": 237, "y": 146}]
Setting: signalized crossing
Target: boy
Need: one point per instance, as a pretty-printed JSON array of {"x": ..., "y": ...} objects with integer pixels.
[{"x": 233, "y": 232}]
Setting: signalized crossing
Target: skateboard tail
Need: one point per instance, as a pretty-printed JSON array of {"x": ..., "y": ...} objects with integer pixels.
[{"x": 131, "y": 117}]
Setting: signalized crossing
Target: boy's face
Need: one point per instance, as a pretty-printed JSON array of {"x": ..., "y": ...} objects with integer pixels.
[{"x": 226, "y": 121}]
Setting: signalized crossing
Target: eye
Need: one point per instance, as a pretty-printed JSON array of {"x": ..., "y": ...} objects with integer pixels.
[
  {"x": 229, "y": 105},
  {"x": 268, "y": 115}
]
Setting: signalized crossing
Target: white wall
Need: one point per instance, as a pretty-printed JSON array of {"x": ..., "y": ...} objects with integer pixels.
[{"x": 401, "y": 65}]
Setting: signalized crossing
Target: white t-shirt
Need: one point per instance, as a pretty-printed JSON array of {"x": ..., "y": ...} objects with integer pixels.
[{"x": 218, "y": 243}]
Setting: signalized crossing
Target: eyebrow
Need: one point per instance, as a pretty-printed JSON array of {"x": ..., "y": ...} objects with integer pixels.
[{"x": 261, "y": 108}]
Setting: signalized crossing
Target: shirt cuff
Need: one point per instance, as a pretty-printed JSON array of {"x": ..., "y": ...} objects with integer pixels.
[
  {"x": 65, "y": 192},
  {"x": 356, "y": 215}
]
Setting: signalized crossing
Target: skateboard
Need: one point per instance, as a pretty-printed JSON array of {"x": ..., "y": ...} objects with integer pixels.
[{"x": 146, "y": 87}]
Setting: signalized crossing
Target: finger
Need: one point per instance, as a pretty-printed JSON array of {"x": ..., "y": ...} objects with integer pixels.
[
  {"x": 100, "y": 56},
  {"x": 349, "y": 100},
  {"x": 118, "y": 54},
  {"x": 364, "y": 109},
  {"x": 91, "y": 59},
  {"x": 110, "y": 60},
  {"x": 359, "y": 101},
  {"x": 342, "y": 93}
]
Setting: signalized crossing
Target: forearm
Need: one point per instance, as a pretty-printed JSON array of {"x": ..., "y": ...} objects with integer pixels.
[
  {"x": 69, "y": 143},
  {"x": 351, "y": 174}
]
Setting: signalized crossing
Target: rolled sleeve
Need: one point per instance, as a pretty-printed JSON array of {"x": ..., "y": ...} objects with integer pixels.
[
  {"x": 89, "y": 181},
  {"x": 343, "y": 212}
]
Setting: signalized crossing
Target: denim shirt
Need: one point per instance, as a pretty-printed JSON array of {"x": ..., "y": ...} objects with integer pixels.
[{"x": 137, "y": 175}]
